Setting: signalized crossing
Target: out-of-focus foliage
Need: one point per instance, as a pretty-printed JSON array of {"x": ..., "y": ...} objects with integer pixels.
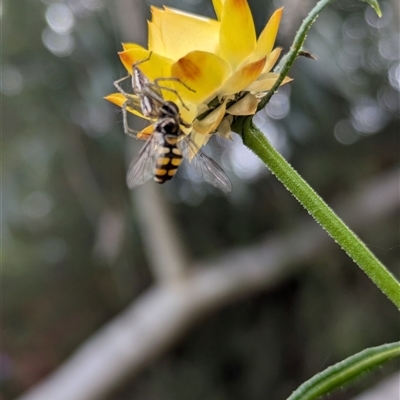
[{"x": 71, "y": 251}]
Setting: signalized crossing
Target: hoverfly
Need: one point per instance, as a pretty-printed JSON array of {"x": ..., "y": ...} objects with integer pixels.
[{"x": 164, "y": 151}]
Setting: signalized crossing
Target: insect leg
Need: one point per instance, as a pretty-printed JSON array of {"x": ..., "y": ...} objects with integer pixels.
[
  {"x": 155, "y": 83},
  {"x": 171, "y": 78},
  {"x": 128, "y": 131},
  {"x": 118, "y": 87},
  {"x": 142, "y": 61}
]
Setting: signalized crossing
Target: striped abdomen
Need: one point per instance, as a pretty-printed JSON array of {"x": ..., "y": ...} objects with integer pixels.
[{"x": 169, "y": 160}]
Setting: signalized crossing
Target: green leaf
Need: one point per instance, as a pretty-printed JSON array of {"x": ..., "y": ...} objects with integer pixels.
[
  {"x": 375, "y": 5},
  {"x": 345, "y": 371}
]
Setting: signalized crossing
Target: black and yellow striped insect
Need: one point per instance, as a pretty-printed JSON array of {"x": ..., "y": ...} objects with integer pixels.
[
  {"x": 168, "y": 145},
  {"x": 164, "y": 151}
]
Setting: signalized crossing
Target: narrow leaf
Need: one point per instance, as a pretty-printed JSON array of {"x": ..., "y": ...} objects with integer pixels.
[
  {"x": 375, "y": 5},
  {"x": 345, "y": 371}
]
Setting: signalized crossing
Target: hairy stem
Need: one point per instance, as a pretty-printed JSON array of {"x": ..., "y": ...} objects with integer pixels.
[{"x": 321, "y": 212}]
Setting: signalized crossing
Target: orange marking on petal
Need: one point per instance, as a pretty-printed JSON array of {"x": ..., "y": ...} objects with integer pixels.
[
  {"x": 192, "y": 71},
  {"x": 241, "y": 5},
  {"x": 243, "y": 78},
  {"x": 127, "y": 59},
  {"x": 254, "y": 68},
  {"x": 202, "y": 72}
]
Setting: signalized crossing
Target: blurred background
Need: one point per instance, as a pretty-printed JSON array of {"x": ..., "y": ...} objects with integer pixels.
[{"x": 78, "y": 248}]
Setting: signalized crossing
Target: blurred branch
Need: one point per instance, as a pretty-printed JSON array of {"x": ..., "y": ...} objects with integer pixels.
[
  {"x": 157, "y": 319},
  {"x": 164, "y": 248}
]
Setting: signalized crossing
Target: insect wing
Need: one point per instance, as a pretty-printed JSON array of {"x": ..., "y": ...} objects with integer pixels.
[
  {"x": 207, "y": 168},
  {"x": 142, "y": 167}
]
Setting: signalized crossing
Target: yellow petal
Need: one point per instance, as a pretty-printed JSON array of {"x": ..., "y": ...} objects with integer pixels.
[
  {"x": 119, "y": 99},
  {"x": 133, "y": 46},
  {"x": 153, "y": 66},
  {"x": 155, "y": 42},
  {"x": 188, "y": 113},
  {"x": 245, "y": 106},
  {"x": 243, "y": 78},
  {"x": 157, "y": 15},
  {"x": 217, "y": 8},
  {"x": 155, "y": 39},
  {"x": 182, "y": 32},
  {"x": 272, "y": 59},
  {"x": 116, "y": 98},
  {"x": 210, "y": 123},
  {"x": 265, "y": 82},
  {"x": 266, "y": 40},
  {"x": 133, "y": 54},
  {"x": 204, "y": 73},
  {"x": 145, "y": 133},
  {"x": 237, "y": 34}
]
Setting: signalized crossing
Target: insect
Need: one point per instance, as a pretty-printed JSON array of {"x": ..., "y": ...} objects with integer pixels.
[
  {"x": 147, "y": 98},
  {"x": 167, "y": 146},
  {"x": 163, "y": 153}
]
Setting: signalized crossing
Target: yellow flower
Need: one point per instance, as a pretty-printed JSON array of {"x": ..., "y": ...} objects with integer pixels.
[{"x": 216, "y": 59}]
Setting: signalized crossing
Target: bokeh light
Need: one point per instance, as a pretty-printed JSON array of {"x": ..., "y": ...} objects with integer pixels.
[
  {"x": 11, "y": 82},
  {"x": 60, "y": 18},
  {"x": 345, "y": 133},
  {"x": 61, "y": 45},
  {"x": 279, "y": 105},
  {"x": 368, "y": 116},
  {"x": 394, "y": 76},
  {"x": 37, "y": 204},
  {"x": 244, "y": 163}
]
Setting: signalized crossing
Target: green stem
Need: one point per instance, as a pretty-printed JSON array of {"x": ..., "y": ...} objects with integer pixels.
[
  {"x": 321, "y": 212},
  {"x": 288, "y": 60}
]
